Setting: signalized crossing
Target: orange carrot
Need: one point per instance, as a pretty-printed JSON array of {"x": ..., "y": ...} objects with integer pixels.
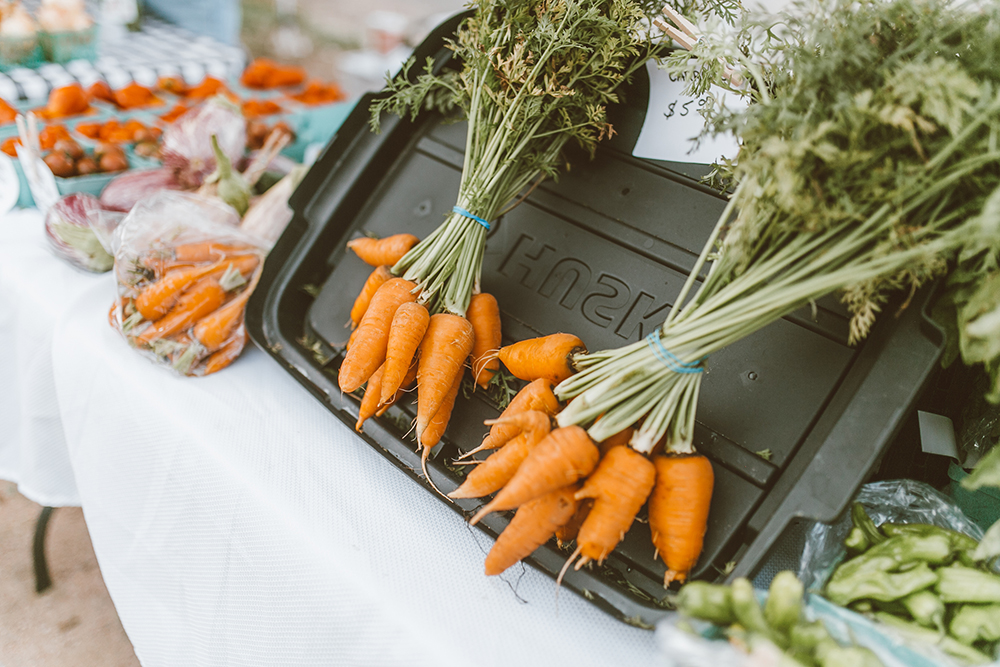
[
  {"x": 405, "y": 333},
  {"x": 209, "y": 251},
  {"x": 367, "y": 352},
  {"x": 369, "y": 404},
  {"x": 484, "y": 314},
  {"x": 380, "y": 275},
  {"x": 619, "y": 487},
  {"x": 534, "y": 396},
  {"x": 678, "y": 511},
  {"x": 443, "y": 351},
  {"x": 563, "y": 457},
  {"x": 382, "y": 251},
  {"x": 158, "y": 298},
  {"x": 405, "y": 386},
  {"x": 568, "y": 531},
  {"x": 213, "y": 330},
  {"x": 549, "y": 357},
  {"x": 533, "y": 524},
  {"x": 225, "y": 356},
  {"x": 620, "y": 438},
  {"x": 198, "y": 301},
  {"x": 432, "y": 434},
  {"x": 350, "y": 341},
  {"x": 494, "y": 473}
]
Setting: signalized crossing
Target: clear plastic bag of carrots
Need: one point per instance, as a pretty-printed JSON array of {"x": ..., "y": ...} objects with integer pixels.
[{"x": 184, "y": 274}]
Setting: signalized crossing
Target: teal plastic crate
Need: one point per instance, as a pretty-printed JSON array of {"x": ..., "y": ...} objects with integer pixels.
[
  {"x": 982, "y": 505},
  {"x": 62, "y": 47},
  {"x": 20, "y": 52}
]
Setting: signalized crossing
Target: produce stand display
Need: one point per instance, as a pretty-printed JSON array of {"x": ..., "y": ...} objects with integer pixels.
[{"x": 596, "y": 255}]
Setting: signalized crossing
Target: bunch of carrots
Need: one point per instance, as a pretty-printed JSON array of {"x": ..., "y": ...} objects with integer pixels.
[
  {"x": 564, "y": 484},
  {"x": 185, "y": 304}
]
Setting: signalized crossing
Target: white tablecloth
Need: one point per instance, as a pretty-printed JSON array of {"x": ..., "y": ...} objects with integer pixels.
[
  {"x": 36, "y": 288},
  {"x": 237, "y": 522}
]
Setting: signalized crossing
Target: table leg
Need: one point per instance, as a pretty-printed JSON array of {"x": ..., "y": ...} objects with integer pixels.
[{"x": 42, "y": 579}]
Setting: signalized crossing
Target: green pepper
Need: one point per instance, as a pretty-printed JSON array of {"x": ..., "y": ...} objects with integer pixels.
[
  {"x": 958, "y": 583},
  {"x": 805, "y": 637},
  {"x": 861, "y": 521},
  {"x": 856, "y": 541},
  {"x": 881, "y": 586},
  {"x": 916, "y": 633},
  {"x": 747, "y": 609},
  {"x": 708, "y": 602},
  {"x": 784, "y": 601},
  {"x": 925, "y": 608},
  {"x": 974, "y": 622},
  {"x": 895, "y": 552},
  {"x": 831, "y": 654},
  {"x": 960, "y": 541}
]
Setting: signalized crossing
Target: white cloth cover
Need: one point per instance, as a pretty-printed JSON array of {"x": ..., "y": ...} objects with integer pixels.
[
  {"x": 237, "y": 522},
  {"x": 36, "y": 287}
]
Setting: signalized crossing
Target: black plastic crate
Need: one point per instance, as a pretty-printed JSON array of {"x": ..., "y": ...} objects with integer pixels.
[{"x": 600, "y": 253}]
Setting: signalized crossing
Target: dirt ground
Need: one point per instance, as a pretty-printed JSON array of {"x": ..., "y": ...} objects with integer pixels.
[{"x": 74, "y": 621}]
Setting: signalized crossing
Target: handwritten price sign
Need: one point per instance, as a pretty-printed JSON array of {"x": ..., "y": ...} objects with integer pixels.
[{"x": 673, "y": 122}]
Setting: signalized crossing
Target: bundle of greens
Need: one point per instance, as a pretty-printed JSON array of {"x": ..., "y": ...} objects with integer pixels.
[
  {"x": 537, "y": 74},
  {"x": 870, "y": 164}
]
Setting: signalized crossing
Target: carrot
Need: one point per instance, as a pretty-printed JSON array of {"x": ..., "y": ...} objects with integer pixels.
[
  {"x": 619, "y": 487},
  {"x": 443, "y": 351},
  {"x": 382, "y": 251},
  {"x": 533, "y": 524},
  {"x": 568, "y": 531},
  {"x": 549, "y": 357},
  {"x": 226, "y": 355},
  {"x": 367, "y": 352},
  {"x": 350, "y": 341},
  {"x": 564, "y": 456},
  {"x": 405, "y": 333},
  {"x": 380, "y": 275},
  {"x": 197, "y": 301},
  {"x": 534, "y": 396},
  {"x": 213, "y": 330},
  {"x": 678, "y": 511},
  {"x": 493, "y": 473},
  {"x": 484, "y": 314},
  {"x": 432, "y": 434},
  {"x": 209, "y": 251},
  {"x": 405, "y": 386},
  {"x": 620, "y": 438},
  {"x": 158, "y": 298},
  {"x": 369, "y": 404}
]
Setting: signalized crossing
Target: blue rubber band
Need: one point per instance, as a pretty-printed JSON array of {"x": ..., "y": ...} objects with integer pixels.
[
  {"x": 670, "y": 360},
  {"x": 462, "y": 211}
]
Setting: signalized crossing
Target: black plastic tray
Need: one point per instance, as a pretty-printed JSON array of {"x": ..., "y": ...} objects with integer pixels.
[{"x": 600, "y": 254}]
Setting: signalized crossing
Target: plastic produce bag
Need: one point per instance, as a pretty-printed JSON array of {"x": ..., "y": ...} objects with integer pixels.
[
  {"x": 184, "y": 273},
  {"x": 122, "y": 192},
  {"x": 187, "y": 143},
  {"x": 74, "y": 227}
]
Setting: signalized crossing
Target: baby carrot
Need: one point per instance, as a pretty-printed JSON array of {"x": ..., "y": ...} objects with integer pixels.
[
  {"x": 380, "y": 275},
  {"x": 443, "y": 352},
  {"x": 369, "y": 404},
  {"x": 209, "y": 251},
  {"x": 367, "y": 352},
  {"x": 225, "y": 356},
  {"x": 533, "y": 524},
  {"x": 549, "y": 357},
  {"x": 199, "y": 300},
  {"x": 534, "y": 396},
  {"x": 405, "y": 386},
  {"x": 567, "y": 532},
  {"x": 620, "y": 438},
  {"x": 619, "y": 487},
  {"x": 493, "y": 473},
  {"x": 158, "y": 298},
  {"x": 382, "y": 251},
  {"x": 405, "y": 333},
  {"x": 563, "y": 457},
  {"x": 678, "y": 511},
  {"x": 484, "y": 314},
  {"x": 435, "y": 429}
]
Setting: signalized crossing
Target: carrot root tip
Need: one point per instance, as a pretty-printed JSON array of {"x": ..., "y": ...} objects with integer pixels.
[
  {"x": 672, "y": 576},
  {"x": 423, "y": 466},
  {"x": 487, "y": 508}
]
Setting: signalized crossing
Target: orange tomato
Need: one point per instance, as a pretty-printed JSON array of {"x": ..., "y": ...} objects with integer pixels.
[
  {"x": 89, "y": 130},
  {"x": 50, "y": 134},
  {"x": 264, "y": 73},
  {"x": 134, "y": 95},
  {"x": 255, "y": 108},
  {"x": 100, "y": 90},
  {"x": 209, "y": 86},
  {"x": 8, "y": 146},
  {"x": 66, "y": 101},
  {"x": 172, "y": 84},
  {"x": 318, "y": 92},
  {"x": 7, "y": 113}
]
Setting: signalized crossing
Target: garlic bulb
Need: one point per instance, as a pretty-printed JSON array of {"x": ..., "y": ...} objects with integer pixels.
[{"x": 18, "y": 23}]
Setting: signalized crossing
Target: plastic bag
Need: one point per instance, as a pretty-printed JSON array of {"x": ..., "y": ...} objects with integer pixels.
[
  {"x": 184, "y": 273},
  {"x": 122, "y": 192},
  {"x": 898, "y": 501},
  {"x": 74, "y": 227},
  {"x": 187, "y": 143}
]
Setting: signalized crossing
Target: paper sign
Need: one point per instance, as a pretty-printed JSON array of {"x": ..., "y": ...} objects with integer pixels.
[
  {"x": 672, "y": 122},
  {"x": 10, "y": 186}
]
